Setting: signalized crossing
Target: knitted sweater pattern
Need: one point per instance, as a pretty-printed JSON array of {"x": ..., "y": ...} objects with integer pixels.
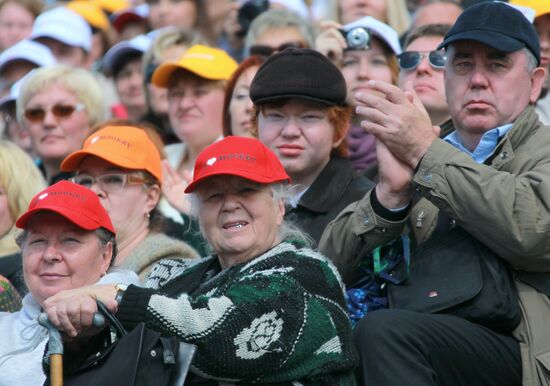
[
  {"x": 155, "y": 247},
  {"x": 279, "y": 318}
]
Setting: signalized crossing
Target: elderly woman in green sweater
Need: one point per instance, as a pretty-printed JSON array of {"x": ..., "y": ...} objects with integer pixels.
[{"x": 263, "y": 309}]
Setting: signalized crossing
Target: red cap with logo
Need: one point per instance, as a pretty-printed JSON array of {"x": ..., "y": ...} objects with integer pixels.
[
  {"x": 238, "y": 156},
  {"x": 76, "y": 203}
]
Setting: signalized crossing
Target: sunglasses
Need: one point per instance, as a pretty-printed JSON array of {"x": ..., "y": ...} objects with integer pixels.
[
  {"x": 38, "y": 114},
  {"x": 266, "y": 51},
  {"x": 109, "y": 183},
  {"x": 409, "y": 60}
]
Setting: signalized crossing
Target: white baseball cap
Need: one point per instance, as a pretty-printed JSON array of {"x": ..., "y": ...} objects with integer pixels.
[
  {"x": 381, "y": 30},
  {"x": 63, "y": 25},
  {"x": 140, "y": 43},
  {"x": 27, "y": 50}
]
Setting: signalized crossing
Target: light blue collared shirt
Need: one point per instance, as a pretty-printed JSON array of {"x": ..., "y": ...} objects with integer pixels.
[{"x": 486, "y": 145}]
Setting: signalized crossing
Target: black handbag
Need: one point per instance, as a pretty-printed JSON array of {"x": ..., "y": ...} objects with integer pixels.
[
  {"x": 454, "y": 273},
  {"x": 140, "y": 357}
]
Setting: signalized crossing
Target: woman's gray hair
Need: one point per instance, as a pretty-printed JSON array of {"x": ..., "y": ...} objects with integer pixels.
[
  {"x": 279, "y": 18},
  {"x": 288, "y": 230},
  {"x": 279, "y": 191},
  {"x": 104, "y": 237}
]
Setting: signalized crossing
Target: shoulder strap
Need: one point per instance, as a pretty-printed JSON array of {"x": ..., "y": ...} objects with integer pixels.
[{"x": 111, "y": 319}]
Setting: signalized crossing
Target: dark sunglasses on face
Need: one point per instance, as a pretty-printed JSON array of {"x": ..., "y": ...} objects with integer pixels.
[
  {"x": 409, "y": 60},
  {"x": 38, "y": 114},
  {"x": 266, "y": 51}
]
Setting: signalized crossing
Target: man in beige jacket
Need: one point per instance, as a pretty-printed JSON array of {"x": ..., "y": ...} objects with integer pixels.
[{"x": 491, "y": 178}]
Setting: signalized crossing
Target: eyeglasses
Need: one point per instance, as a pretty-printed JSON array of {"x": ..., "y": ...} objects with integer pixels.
[
  {"x": 38, "y": 114},
  {"x": 262, "y": 50},
  {"x": 112, "y": 183},
  {"x": 409, "y": 60}
]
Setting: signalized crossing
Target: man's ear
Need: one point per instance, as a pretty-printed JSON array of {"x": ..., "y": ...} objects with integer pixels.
[{"x": 538, "y": 77}]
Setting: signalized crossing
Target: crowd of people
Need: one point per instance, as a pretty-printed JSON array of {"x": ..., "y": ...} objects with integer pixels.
[{"x": 313, "y": 192}]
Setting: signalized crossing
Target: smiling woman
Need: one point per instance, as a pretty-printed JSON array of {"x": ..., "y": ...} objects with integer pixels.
[
  {"x": 263, "y": 308},
  {"x": 68, "y": 241}
]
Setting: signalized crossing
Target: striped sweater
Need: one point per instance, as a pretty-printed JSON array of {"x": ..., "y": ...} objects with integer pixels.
[{"x": 279, "y": 318}]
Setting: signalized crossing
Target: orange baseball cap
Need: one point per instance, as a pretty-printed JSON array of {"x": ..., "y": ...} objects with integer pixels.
[
  {"x": 238, "y": 156},
  {"x": 124, "y": 146},
  {"x": 206, "y": 62},
  {"x": 541, "y": 7},
  {"x": 78, "y": 204}
]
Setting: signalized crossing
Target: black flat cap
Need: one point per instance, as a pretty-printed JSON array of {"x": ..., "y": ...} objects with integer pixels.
[{"x": 299, "y": 73}]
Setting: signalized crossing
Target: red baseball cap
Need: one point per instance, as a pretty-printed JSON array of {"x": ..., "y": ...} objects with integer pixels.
[
  {"x": 76, "y": 203},
  {"x": 238, "y": 156}
]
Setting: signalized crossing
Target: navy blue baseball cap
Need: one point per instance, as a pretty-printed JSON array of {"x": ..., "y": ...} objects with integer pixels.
[{"x": 497, "y": 25}]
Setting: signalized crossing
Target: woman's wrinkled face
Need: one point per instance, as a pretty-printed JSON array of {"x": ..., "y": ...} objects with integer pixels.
[
  {"x": 195, "y": 109},
  {"x": 240, "y": 107},
  {"x": 177, "y": 13},
  {"x": 53, "y": 138},
  {"x": 58, "y": 255},
  {"x": 240, "y": 218},
  {"x": 129, "y": 206},
  {"x": 6, "y": 221}
]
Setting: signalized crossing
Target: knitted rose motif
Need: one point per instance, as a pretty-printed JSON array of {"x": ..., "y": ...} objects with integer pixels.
[{"x": 254, "y": 341}]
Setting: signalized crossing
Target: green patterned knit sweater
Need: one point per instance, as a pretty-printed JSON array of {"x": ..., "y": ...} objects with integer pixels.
[{"x": 277, "y": 319}]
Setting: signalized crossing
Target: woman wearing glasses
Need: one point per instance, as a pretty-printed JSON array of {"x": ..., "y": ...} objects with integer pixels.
[
  {"x": 364, "y": 50},
  {"x": 59, "y": 105},
  {"x": 123, "y": 167}
]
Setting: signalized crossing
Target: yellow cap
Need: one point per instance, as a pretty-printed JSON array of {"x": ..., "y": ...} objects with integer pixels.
[
  {"x": 112, "y": 6},
  {"x": 91, "y": 12},
  {"x": 541, "y": 7},
  {"x": 206, "y": 62}
]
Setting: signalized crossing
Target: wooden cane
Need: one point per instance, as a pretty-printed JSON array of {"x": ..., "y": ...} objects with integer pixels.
[
  {"x": 56, "y": 370},
  {"x": 55, "y": 350}
]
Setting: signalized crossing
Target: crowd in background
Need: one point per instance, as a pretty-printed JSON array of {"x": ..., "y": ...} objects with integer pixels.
[{"x": 166, "y": 79}]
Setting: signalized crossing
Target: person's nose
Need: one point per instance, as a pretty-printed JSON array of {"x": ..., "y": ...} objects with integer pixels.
[
  {"x": 424, "y": 66},
  {"x": 291, "y": 128},
  {"x": 96, "y": 188},
  {"x": 231, "y": 202},
  {"x": 136, "y": 80},
  {"x": 186, "y": 102},
  {"x": 52, "y": 253},
  {"x": 50, "y": 120},
  {"x": 249, "y": 106},
  {"x": 544, "y": 43},
  {"x": 478, "y": 78},
  {"x": 364, "y": 69}
]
